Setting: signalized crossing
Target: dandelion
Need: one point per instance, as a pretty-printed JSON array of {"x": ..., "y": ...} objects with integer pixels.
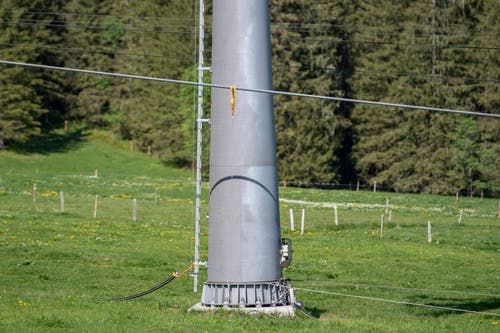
[{"x": 22, "y": 303}]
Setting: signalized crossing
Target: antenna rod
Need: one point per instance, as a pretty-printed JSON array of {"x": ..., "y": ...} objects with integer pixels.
[{"x": 199, "y": 139}]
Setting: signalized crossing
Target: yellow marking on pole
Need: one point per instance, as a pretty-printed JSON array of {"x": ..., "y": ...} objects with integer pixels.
[{"x": 233, "y": 99}]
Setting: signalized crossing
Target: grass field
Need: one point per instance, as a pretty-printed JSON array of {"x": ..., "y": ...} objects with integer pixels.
[{"x": 55, "y": 267}]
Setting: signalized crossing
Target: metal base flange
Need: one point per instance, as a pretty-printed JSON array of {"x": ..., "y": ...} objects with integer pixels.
[{"x": 244, "y": 295}]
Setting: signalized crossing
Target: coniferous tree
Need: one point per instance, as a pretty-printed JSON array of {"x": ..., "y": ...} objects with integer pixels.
[{"x": 310, "y": 133}]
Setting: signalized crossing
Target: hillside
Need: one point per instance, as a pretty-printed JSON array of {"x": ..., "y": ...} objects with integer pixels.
[
  {"x": 442, "y": 53},
  {"x": 56, "y": 266}
]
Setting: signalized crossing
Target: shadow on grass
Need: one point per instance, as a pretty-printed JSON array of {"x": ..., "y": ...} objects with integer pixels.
[
  {"x": 51, "y": 143},
  {"x": 314, "y": 311},
  {"x": 478, "y": 305}
]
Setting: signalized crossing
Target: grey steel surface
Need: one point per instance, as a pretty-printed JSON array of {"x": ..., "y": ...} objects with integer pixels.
[
  {"x": 261, "y": 294},
  {"x": 244, "y": 233}
]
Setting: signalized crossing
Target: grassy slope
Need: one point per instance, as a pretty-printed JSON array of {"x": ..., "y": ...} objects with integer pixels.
[{"x": 55, "y": 266}]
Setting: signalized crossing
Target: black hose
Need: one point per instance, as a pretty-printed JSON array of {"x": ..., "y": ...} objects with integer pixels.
[{"x": 142, "y": 293}]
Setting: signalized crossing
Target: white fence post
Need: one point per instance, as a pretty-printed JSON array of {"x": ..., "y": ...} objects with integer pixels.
[
  {"x": 61, "y": 194},
  {"x": 292, "y": 222},
  {"x": 134, "y": 209},
  {"x": 95, "y": 206},
  {"x": 429, "y": 232},
  {"x": 302, "y": 221},
  {"x": 381, "y": 226},
  {"x": 336, "y": 215}
]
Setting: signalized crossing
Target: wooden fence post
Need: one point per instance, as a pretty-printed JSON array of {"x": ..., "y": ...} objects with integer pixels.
[
  {"x": 357, "y": 187},
  {"x": 460, "y": 214},
  {"x": 386, "y": 205},
  {"x": 375, "y": 186}
]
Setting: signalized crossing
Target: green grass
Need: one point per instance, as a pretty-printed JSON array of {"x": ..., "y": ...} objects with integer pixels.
[{"x": 55, "y": 267}]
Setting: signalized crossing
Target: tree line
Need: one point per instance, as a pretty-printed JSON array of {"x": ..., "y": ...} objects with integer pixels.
[{"x": 441, "y": 53}]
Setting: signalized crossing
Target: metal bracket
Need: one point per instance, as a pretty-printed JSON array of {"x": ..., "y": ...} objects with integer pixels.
[{"x": 204, "y": 120}]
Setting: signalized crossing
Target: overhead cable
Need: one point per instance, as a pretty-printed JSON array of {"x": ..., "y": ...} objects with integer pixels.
[
  {"x": 358, "y": 26},
  {"x": 63, "y": 24},
  {"x": 363, "y": 285},
  {"x": 77, "y": 50},
  {"x": 432, "y": 76},
  {"x": 380, "y": 33},
  {"x": 337, "y": 40},
  {"x": 263, "y": 91},
  {"x": 100, "y": 15}
]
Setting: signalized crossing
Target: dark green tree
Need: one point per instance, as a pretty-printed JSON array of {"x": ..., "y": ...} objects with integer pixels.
[
  {"x": 307, "y": 58},
  {"x": 473, "y": 161},
  {"x": 30, "y": 100}
]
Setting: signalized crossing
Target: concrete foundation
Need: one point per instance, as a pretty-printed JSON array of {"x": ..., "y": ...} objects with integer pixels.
[{"x": 281, "y": 311}]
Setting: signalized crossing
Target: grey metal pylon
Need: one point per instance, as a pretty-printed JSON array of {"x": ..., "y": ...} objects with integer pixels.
[{"x": 244, "y": 238}]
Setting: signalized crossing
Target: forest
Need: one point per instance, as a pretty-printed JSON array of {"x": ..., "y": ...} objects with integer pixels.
[{"x": 437, "y": 53}]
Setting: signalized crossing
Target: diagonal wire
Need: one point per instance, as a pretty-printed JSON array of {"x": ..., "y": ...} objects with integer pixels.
[
  {"x": 362, "y": 285},
  {"x": 398, "y": 302},
  {"x": 263, "y": 91}
]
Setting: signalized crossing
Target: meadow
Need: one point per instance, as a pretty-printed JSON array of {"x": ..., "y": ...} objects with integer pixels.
[{"x": 55, "y": 266}]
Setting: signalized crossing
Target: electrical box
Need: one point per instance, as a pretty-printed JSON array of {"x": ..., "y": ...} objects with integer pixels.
[{"x": 286, "y": 252}]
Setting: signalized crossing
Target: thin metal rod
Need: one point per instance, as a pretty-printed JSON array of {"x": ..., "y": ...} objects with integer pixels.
[
  {"x": 264, "y": 91},
  {"x": 199, "y": 139}
]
